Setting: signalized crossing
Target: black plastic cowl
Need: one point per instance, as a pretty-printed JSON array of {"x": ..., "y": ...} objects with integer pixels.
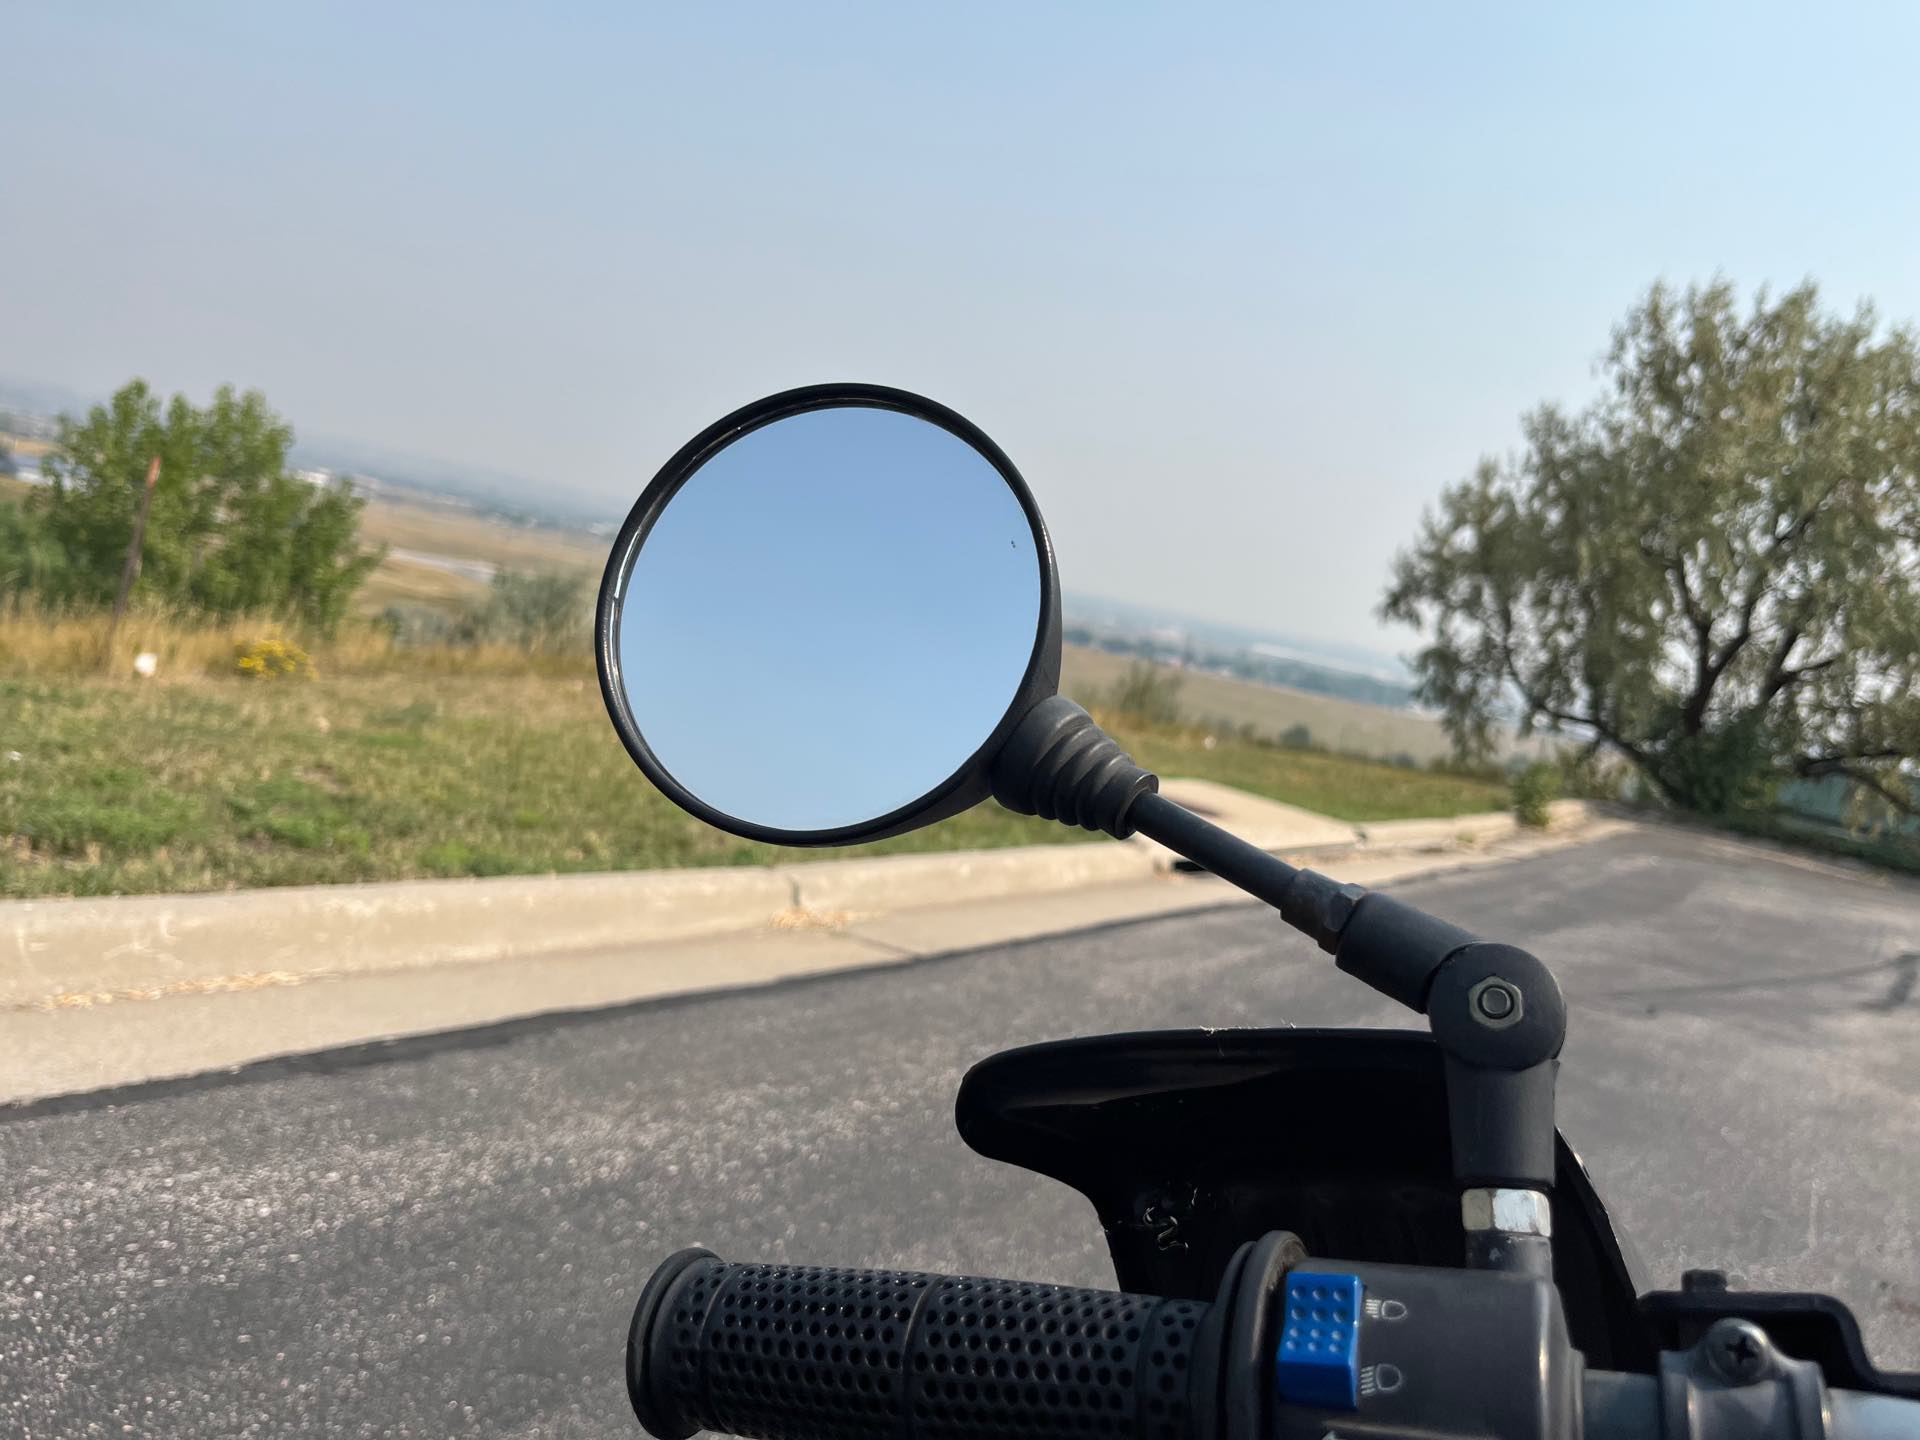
[{"x": 1060, "y": 765}]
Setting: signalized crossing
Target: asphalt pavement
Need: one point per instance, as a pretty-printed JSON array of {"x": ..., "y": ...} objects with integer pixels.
[{"x": 444, "y": 1237}]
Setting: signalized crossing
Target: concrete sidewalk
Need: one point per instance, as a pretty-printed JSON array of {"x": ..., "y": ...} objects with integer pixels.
[
  {"x": 59, "y": 954},
  {"x": 88, "y": 1044}
]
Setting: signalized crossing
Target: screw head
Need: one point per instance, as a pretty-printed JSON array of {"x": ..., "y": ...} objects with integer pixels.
[
  {"x": 1738, "y": 1350},
  {"x": 1495, "y": 1003}
]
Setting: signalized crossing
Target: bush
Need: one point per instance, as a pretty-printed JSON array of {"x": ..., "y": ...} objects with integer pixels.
[
  {"x": 1297, "y": 737},
  {"x": 1149, "y": 694},
  {"x": 536, "y": 612},
  {"x": 1587, "y": 774},
  {"x": 30, "y": 557},
  {"x": 272, "y": 659},
  {"x": 1534, "y": 791}
]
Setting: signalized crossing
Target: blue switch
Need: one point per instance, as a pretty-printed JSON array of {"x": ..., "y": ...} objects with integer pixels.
[{"x": 1319, "y": 1361}]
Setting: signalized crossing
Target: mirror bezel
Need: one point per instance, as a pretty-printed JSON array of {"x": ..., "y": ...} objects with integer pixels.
[{"x": 968, "y": 785}]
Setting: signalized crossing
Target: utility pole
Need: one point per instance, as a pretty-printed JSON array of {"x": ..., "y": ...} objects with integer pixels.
[{"x": 131, "y": 570}]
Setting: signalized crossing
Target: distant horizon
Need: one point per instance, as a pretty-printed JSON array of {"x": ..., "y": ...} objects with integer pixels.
[{"x": 1316, "y": 650}]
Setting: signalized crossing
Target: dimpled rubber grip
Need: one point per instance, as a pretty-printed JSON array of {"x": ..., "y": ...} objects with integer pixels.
[{"x": 788, "y": 1352}]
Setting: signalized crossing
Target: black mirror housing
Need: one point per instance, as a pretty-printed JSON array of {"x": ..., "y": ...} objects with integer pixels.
[{"x": 968, "y": 785}]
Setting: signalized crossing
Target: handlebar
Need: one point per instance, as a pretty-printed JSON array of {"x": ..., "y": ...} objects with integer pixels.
[{"x": 789, "y": 1352}]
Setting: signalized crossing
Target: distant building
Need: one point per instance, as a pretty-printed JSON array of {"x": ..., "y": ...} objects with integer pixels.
[{"x": 319, "y": 479}]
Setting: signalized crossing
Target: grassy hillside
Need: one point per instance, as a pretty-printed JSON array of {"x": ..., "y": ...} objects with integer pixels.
[
  {"x": 200, "y": 783},
  {"x": 440, "y": 761},
  {"x": 1336, "y": 785},
  {"x": 452, "y": 530},
  {"x": 123, "y": 788},
  {"x": 457, "y": 534},
  {"x": 408, "y": 583},
  {"x": 1340, "y": 725}
]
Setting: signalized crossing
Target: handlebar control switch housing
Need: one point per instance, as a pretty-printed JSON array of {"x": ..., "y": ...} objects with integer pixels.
[{"x": 1444, "y": 1352}]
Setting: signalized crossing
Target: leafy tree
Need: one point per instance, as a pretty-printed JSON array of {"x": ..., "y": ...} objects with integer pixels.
[
  {"x": 231, "y": 530},
  {"x": 1714, "y": 570}
]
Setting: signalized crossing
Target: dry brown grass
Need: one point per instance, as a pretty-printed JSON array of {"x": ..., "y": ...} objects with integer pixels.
[
  {"x": 404, "y": 582},
  {"x": 42, "y": 645}
]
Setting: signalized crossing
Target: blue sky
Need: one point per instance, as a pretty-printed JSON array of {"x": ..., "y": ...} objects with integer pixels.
[{"x": 1238, "y": 287}]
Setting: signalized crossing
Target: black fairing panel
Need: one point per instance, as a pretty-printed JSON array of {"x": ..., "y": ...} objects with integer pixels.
[{"x": 1189, "y": 1142}]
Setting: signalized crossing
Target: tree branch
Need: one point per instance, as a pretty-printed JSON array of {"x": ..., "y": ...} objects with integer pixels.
[
  {"x": 1693, "y": 714},
  {"x": 1835, "y": 763},
  {"x": 1779, "y": 676},
  {"x": 1710, "y": 668},
  {"x": 1565, "y": 717}
]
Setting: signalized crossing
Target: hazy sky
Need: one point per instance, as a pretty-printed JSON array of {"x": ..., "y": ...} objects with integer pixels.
[{"x": 1238, "y": 287}]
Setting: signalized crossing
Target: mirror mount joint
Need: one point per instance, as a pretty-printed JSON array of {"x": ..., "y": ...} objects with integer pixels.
[
  {"x": 1495, "y": 1011},
  {"x": 1498, "y": 1015}
]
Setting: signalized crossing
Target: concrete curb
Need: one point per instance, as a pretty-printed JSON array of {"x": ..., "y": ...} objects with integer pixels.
[
  {"x": 900, "y": 882},
  {"x": 86, "y": 951},
  {"x": 1382, "y": 835},
  {"x": 77, "y": 1045},
  {"x": 144, "y": 944},
  {"x": 78, "y": 952}
]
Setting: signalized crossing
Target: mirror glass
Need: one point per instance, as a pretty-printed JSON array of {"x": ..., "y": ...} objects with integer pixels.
[{"x": 828, "y": 618}]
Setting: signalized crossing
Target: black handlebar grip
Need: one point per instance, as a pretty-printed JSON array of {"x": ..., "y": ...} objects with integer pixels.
[{"x": 793, "y": 1352}]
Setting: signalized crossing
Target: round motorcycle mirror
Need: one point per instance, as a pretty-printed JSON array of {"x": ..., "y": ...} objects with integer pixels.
[{"x": 825, "y": 615}]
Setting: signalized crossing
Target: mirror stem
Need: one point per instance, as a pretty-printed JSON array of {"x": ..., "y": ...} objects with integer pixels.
[
  {"x": 1495, "y": 1010},
  {"x": 1219, "y": 852}
]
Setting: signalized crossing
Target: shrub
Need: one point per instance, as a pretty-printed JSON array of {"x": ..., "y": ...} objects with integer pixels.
[
  {"x": 537, "y": 612},
  {"x": 1149, "y": 694},
  {"x": 1534, "y": 791},
  {"x": 272, "y": 658},
  {"x": 1588, "y": 774}
]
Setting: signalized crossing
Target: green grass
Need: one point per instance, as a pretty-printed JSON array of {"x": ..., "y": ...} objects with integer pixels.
[
  {"x": 208, "y": 784},
  {"x": 124, "y": 789},
  {"x": 1336, "y": 785}
]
